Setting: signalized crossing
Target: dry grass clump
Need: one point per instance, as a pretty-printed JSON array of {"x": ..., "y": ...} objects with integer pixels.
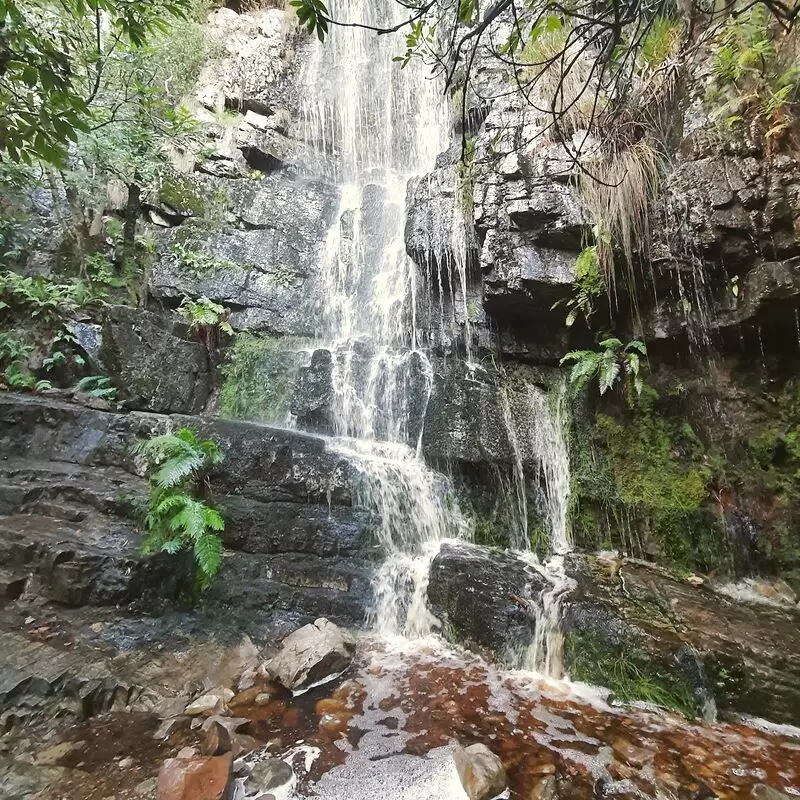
[{"x": 616, "y": 192}]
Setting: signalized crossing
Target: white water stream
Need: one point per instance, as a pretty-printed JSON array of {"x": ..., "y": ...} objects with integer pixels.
[{"x": 381, "y": 127}]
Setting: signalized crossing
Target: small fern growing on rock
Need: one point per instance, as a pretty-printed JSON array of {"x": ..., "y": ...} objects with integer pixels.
[
  {"x": 179, "y": 516},
  {"x": 607, "y": 364}
]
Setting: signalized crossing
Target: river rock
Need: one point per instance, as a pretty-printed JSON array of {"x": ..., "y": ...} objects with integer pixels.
[
  {"x": 267, "y": 775},
  {"x": 484, "y": 596},
  {"x": 311, "y": 654},
  {"x": 210, "y": 703},
  {"x": 545, "y": 789},
  {"x": 196, "y": 778},
  {"x": 481, "y": 771}
]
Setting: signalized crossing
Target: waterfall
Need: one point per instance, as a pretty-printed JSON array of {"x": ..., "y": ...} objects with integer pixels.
[
  {"x": 378, "y": 126},
  {"x": 542, "y": 434}
]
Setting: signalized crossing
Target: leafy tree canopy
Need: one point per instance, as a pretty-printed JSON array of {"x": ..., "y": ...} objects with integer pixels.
[{"x": 53, "y": 56}]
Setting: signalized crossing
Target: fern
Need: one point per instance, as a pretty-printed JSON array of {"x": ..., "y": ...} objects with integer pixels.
[
  {"x": 177, "y": 519},
  {"x": 96, "y": 386},
  {"x": 606, "y": 365},
  {"x": 205, "y": 318}
]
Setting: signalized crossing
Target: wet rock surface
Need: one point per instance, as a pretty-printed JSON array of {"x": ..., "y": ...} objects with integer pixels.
[
  {"x": 154, "y": 362},
  {"x": 746, "y": 652},
  {"x": 296, "y": 544},
  {"x": 741, "y": 656},
  {"x": 481, "y": 772},
  {"x": 482, "y": 597},
  {"x": 261, "y": 260},
  {"x": 388, "y": 727},
  {"x": 313, "y": 654}
]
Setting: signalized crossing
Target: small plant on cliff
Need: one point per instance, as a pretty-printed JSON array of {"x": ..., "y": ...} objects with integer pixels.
[
  {"x": 756, "y": 75},
  {"x": 205, "y": 319},
  {"x": 612, "y": 361},
  {"x": 588, "y": 286},
  {"x": 179, "y": 516}
]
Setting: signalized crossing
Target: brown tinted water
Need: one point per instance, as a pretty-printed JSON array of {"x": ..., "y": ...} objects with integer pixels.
[
  {"x": 390, "y": 726},
  {"x": 387, "y": 728}
]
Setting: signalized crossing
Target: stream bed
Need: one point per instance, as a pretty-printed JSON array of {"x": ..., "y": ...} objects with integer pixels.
[{"x": 387, "y": 727}]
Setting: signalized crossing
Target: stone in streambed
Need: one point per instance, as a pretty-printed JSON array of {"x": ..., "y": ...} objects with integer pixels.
[
  {"x": 196, "y": 778},
  {"x": 481, "y": 772},
  {"x": 268, "y": 774},
  {"x": 211, "y": 703},
  {"x": 311, "y": 654}
]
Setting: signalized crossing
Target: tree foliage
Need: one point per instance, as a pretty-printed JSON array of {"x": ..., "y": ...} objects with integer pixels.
[
  {"x": 53, "y": 58},
  {"x": 178, "y": 515}
]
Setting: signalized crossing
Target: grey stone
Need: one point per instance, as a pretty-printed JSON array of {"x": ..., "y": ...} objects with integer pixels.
[
  {"x": 267, "y": 774},
  {"x": 253, "y": 70},
  {"x": 484, "y": 597},
  {"x": 269, "y": 256},
  {"x": 313, "y": 393},
  {"x": 89, "y": 337},
  {"x": 298, "y": 547},
  {"x": 312, "y": 654},
  {"x": 481, "y": 772},
  {"x": 438, "y": 232},
  {"x": 153, "y": 363}
]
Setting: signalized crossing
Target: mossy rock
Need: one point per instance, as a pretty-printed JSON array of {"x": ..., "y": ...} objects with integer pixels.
[{"x": 181, "y": 196}]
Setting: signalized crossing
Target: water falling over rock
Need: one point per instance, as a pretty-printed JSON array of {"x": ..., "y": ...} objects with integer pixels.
[{"x": 382, "y": 126}]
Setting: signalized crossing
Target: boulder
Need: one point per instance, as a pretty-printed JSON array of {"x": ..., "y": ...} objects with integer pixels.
[
  {"x": 484, "y": 596},
  {"x": 154, "y": 363},
  {"x": 196, "y": 778},
  {"x": 204, "y": 705},
  {"x": 313, "y": 393},
  {"x": 89, "y": 338},
  {"x": 312, "y": 654},
  {"x": 212, "y": 702},
  {"x": 481, "y": 772}
]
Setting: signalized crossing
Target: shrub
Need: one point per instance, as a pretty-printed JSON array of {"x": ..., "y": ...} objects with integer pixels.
[
  {"x": 179, "y": 516},
  {"x": 205, "y": 318}
]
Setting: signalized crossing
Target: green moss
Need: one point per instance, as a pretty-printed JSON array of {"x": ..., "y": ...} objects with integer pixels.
[
  {"x": 640, "y": 483},
  {"x": 179, "y": 193},
  {"x": 629, "y": 673},
  {"x": 258, "y": 377}
]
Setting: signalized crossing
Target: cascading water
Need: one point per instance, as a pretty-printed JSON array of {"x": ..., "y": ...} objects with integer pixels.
[
  {"x": 544, "y": 438},
  {"x": 381, "y": 126}
]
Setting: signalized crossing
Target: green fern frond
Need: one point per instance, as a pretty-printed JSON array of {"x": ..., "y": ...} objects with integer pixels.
[
  {"x": 175, "y": 520},
  {"x": 577, "y": 355},
  {"x": 190, "y": 520},
  {"x": 172, "y": 546},
  {"x": 186, "y": 435},
  {"x": 169, "y": 503},
  {"x": 177, "y": 469},
  {"x": 608, "y": 370},
  {"x": 637, "y": 345},
  {"x": 213, "y": 519},
  {"x": 208, "y": 554}
]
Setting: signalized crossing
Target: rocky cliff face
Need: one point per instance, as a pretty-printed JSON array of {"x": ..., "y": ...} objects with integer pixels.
[{"x": 699, "y": 477}]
